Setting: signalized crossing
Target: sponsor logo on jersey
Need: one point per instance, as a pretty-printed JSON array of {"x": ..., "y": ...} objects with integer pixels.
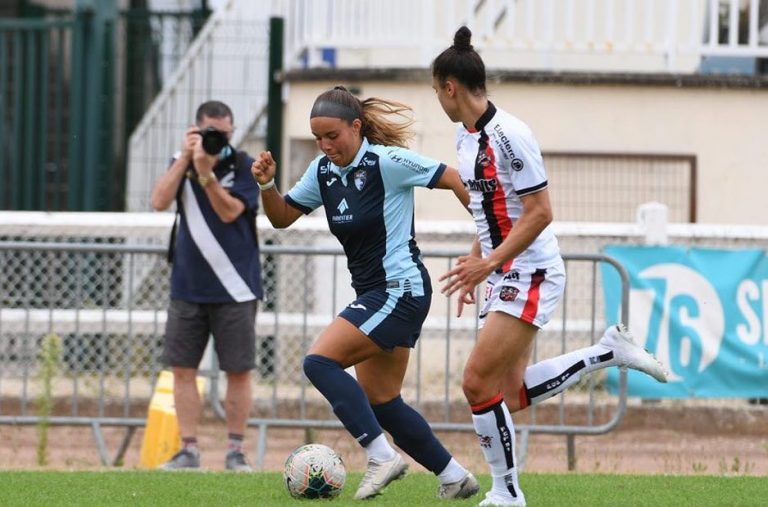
[
  {"x": 330, "y": 182},
  {"x": 508, "y": 293},
  {"x": 367, "y": 162},
  {"x": 517, "y": 164},
  {"x": 357, "y": 306},
  {"x": 360, "y": 177},
  {"x": 342, "y": 217},
  {"x": 484, "y": 185},
  {"x": 410, "y": 164},
  {"x": 504, "y": 142},
  {"x": 512, "y": 275}
]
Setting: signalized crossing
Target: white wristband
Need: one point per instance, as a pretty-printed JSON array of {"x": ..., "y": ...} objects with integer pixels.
[{"x": 267, "y": 185}]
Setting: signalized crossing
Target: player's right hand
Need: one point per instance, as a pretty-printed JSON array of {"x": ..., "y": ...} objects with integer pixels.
[{"x": 264, "y": 167}]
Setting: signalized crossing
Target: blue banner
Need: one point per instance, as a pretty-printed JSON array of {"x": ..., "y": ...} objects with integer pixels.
[{"x": 702, "y": 312}]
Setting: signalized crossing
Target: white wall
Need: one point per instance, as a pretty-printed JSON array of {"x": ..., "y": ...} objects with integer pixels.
[{"x": 725, "y": 128}]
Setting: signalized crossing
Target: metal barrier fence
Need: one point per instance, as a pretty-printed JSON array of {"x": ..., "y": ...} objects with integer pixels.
[{"x": 106, "y": 303}]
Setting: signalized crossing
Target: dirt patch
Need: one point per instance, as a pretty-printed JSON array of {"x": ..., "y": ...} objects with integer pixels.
[{"x": 650, "y": 439}]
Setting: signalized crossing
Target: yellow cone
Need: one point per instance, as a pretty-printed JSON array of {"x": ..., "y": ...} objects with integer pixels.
[{"x": 161, "y": 433}]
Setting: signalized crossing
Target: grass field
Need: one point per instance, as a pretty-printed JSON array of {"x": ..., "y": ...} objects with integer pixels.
[{"x": 136, "y": 488}]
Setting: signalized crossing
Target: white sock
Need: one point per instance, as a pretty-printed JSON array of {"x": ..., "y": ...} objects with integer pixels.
[
  {"x": 553, "y": 376},
  {"x": 496, "y": 432},
  {"x": 379, "y": 449},
  {"x": 453, "y": 472}
]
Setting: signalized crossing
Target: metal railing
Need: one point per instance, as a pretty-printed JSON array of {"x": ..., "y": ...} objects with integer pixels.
[
  {"x": 642, "y": 35},
  {"x": 106, "y": 303}
]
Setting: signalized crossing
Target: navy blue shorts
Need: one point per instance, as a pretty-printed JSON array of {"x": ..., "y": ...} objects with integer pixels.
[{"x": 391, "y": 318}]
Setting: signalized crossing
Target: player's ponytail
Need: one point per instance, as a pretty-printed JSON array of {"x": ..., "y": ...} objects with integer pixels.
[
  {"x": 461, "y": 62},
  {"x": 383, "y": 121},
  {"x": 387, "y": 122}
]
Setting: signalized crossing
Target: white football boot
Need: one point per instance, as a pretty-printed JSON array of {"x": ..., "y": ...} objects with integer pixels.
[
  {"x": 464, "y": 488},
  {"x": 379, "y": 475},
  {"x": 631, "y": 355}
]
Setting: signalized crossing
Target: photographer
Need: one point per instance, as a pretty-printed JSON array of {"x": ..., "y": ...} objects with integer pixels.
[{"x": 216, "y": 276}]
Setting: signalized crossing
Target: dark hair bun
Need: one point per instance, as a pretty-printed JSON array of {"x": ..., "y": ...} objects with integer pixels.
[
  {"x": 339, "y": 87},
  {"x": 462, "y": 39}
]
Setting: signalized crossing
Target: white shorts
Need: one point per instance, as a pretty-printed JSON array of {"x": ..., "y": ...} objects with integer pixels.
[{"x": 530, "y": 294}]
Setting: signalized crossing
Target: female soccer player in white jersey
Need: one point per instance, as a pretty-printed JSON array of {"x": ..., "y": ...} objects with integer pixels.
[
  {"x": 365, "y": 179},
  {"x": 517, "y": 254}
]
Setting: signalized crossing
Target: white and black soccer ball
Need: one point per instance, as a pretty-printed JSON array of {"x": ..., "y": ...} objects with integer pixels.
[{"x": 314, "y": 471}]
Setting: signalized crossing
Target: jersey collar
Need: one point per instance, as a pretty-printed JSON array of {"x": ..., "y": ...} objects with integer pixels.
[{"x": 484, "y": 119}]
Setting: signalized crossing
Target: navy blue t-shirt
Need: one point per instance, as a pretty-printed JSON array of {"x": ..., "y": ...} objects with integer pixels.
[
  {"x": 370, "y": 208},
  {"x": 216, "y": 262}
]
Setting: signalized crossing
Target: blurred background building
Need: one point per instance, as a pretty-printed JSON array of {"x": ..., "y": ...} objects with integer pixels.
[{"x": 632, "y": 100}]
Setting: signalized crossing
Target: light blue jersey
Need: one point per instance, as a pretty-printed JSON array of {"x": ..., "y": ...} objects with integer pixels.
[{"x": 370, "y": 209}]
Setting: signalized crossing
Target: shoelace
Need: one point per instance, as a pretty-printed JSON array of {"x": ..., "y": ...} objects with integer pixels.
[{"x": 370, "y": 471}]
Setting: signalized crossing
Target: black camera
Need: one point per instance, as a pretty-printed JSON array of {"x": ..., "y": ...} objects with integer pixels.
[{"x": 213, "y": 140}]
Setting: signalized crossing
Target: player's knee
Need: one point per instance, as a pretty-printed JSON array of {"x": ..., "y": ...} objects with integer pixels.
[
  {"x": 475, "y": 387},
  {"x": 184, "y": 374},
  {"x": 316, "y": 366}
]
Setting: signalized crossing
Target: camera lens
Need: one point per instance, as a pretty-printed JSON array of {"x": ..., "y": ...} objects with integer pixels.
[{"x": 213, "y": 140}]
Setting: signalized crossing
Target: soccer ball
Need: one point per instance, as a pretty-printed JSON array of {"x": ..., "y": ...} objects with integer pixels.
[{"x": 314, "y": 471}]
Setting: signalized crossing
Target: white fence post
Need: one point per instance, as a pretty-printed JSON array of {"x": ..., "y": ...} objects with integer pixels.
[{"x": 652, "y": 219}]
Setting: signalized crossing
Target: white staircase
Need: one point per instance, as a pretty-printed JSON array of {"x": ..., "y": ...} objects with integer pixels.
[{"x": 228, "y": 61}]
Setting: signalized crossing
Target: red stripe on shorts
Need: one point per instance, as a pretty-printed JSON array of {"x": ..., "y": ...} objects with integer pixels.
[{"x": 532, "y": 305}]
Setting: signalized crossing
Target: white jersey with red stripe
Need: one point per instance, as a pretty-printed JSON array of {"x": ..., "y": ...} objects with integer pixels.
[{"x": 500, "y": 162}]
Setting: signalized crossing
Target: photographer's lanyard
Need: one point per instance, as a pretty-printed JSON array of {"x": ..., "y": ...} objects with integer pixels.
[{"x": 212, "y": 251}]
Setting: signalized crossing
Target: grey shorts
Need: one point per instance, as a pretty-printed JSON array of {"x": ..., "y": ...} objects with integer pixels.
[{"x": 233, "y": 326}]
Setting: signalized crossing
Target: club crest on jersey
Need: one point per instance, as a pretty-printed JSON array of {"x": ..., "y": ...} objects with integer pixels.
[
  {"x": 483, "y": 159},
  {"x": 508, "y": 293},
  {"x": 360, "y": 177}
]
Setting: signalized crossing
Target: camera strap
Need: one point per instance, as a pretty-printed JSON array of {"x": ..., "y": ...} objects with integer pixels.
[{"x": 174, "y": 229}]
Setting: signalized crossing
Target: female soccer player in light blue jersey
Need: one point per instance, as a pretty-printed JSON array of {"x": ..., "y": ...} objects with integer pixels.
[{"x": 365, "y": 179}]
